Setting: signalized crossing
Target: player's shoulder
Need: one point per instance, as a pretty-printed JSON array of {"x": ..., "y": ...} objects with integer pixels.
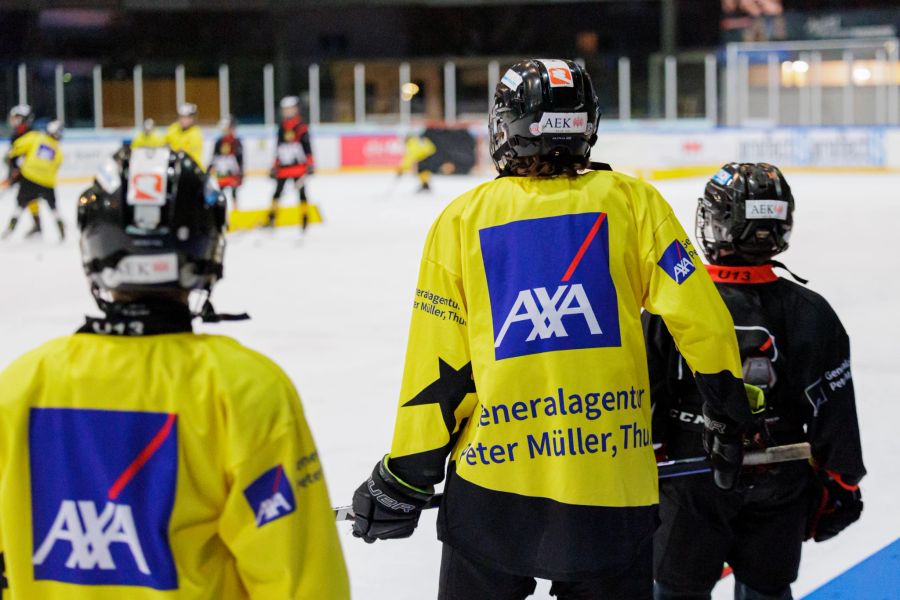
[
  {"x": 25, "y": 370},
  {"x": 27, "y": 138},
  {"x": 802, "y": 300},
  {"x": 237, "y": 360},
  {"x": 256, "y": 389}
]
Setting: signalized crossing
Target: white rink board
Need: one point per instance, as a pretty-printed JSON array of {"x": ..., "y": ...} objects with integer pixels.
[
  {"x": 333, "y": 310},
  {"x": 638, "y": 146}
]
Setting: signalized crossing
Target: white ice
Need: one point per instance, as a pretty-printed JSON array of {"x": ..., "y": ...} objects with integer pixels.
[{"x": 333, "y": 310}]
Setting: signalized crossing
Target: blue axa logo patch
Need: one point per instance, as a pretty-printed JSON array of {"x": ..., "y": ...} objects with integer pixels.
[
  {"x": 102, "y": 492},
  {"x": 271, "y": 496},
  {"x": 45, "y": 152},
  {"x": 550, "y": 285},
  {"x": 677, "y": 262}
]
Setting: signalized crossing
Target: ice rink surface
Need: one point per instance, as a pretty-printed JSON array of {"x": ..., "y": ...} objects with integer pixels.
[{"x": 333, "y": 310}]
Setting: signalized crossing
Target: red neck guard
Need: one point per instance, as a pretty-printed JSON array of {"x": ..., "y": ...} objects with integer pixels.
[{"x": 742, "y": 274}]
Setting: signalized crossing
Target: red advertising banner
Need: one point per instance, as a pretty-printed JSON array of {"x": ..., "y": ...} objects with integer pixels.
[{"x": 371, "y": 151}]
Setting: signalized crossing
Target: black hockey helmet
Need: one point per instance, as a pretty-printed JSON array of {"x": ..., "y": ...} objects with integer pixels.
[
  {"x": 747, "y": 210},
  {"x": 546, "y": 108},
  {"x": 152, "y": 222}
]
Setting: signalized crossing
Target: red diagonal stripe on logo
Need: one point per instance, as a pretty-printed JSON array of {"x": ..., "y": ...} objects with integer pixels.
[
  {"x": 278, "y": 475},
  {"x": 584, "y": 246},
  {"x": 145, "y": 455}
]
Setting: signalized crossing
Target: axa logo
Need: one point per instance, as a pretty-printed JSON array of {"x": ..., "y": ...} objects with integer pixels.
[
  {"x": 102, "y": 494},
  {"x": 550, "y": 284},
  {"x": 271, "y": 496},
  {"x": 45, "y": 152},
  {"x": 683, "y": 268},
  {"x": 546, "y": 312},
  {"x": 272, "y": 508},
  {"x": 677, "y": 262},
  {"x": 90, "y": 535}
]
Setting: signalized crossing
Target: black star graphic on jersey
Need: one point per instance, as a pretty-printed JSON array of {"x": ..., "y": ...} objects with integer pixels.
[{"x": 447, "y": 391}]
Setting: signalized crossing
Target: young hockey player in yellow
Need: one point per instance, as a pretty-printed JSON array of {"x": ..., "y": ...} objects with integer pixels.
[
  {"x": 19, "y": 120},
  {"x": 148, "y": 136},
  {"x": 184, "y": 134},
  {"x": 526, "y": 363},
  {"x": 40, "y": 156},
  {"x": 417, "y": 149},
  {"x": 139, "y": 460}
]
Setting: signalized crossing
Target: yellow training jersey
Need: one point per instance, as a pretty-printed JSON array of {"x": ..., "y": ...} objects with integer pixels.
[
  {"x": 190, "y": 140},
  {"x": 154, "y": 139},
  {"x": 173, "y": 466},
  {"x": 417, "y": 149},
  {"x": 41, "y": 157},
  {"x": 526, "y": 364}
]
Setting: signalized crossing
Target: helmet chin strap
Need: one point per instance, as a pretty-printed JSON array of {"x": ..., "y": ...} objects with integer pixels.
[
  {"x": 796, "y": 277},
  {"x": 208, "y": 314}
]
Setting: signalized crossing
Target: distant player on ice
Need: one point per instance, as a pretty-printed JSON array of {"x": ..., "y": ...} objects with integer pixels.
[
  {"x": 417, "y": 149},
  {"x": 139, "y": 460},
  {"x": 794, "y": 347},
  {"x": 228, "y": 160},
  {"x": 20, "y": 119},
  {"x": 526, "y": 363},
  {"x": 185, "y": 135},
  {"x": 293, "y": 158},
  {"x": 148, "y": 136},
  {"x": 38, "y": 156}
]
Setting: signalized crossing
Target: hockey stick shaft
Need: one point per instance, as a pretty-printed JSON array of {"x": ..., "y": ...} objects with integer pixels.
[{"x": 668, "y": 469}]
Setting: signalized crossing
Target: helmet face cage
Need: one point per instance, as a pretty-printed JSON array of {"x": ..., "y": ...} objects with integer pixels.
[
  {"x": 545, "y": 108},
  {"x": 747, "y": 212},
  {"x": 182, "y": 250}
]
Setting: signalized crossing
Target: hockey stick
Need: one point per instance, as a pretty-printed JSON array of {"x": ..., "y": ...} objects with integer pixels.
[{"x": 668, "y": 469}]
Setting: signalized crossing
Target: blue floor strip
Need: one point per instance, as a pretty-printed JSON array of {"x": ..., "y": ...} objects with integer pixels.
[{"x": 876, "y": 578}]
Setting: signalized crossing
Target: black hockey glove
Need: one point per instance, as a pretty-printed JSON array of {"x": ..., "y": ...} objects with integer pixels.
[
  {"x": 385, "y": 507},
  {"x": 3, "y": 582},
  {"x": 833, "y": 508},
  {"x": 722, "y": 441}
]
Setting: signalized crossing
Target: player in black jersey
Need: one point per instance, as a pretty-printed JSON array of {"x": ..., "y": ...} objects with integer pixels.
[{"x": 794, "y": 347}]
